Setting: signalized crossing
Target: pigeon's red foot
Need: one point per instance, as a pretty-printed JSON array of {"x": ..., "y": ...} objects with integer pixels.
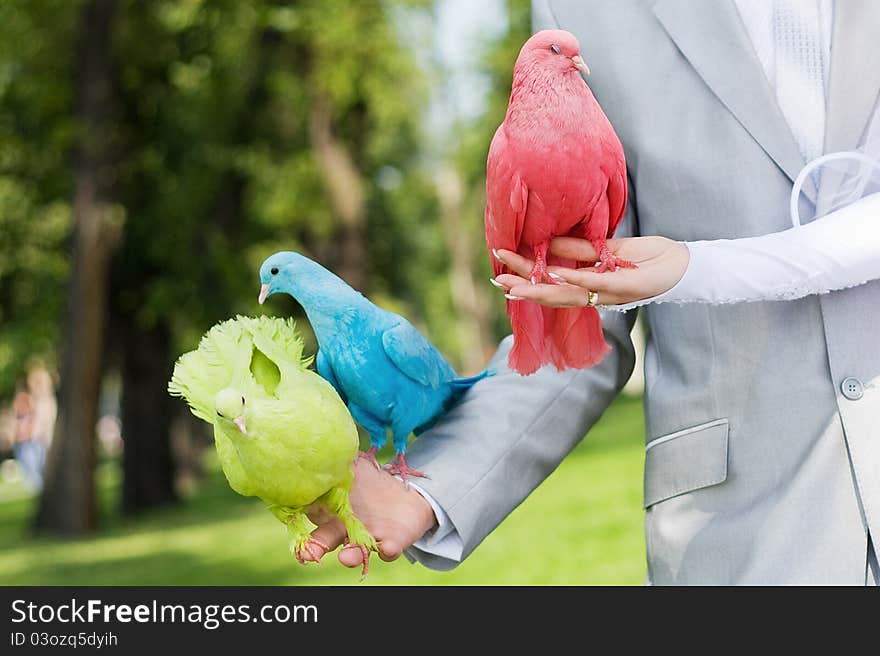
[
  {"x": 311, "y": 547},
  {"x": 539, "y": 272},
  {"x": 539, "y": 275},
  {"x": 400, "y": 468},
  {"x": 608, "y": 261},
  {"x": 365, "y": 554},
  {"x": 370, "y": 456}
]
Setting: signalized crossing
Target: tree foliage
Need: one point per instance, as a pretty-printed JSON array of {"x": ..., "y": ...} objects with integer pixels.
[
  {"x": 37, "y": 131},
  {"x": 238, "y": 129},
  {"x": 216, "y": 162}
]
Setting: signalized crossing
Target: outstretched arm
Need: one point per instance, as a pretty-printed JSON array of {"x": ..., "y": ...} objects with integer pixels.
[{"x": 840, "y": 250}]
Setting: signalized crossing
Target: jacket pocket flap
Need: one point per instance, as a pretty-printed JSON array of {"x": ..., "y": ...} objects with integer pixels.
[{"x": 685, "y": 461}]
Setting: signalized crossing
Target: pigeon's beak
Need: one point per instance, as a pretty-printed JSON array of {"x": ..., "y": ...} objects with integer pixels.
[
  {"x": 239, "y": 422},
  {"x": 580, "y": 64},
  {"x": 264, "y": 292}
]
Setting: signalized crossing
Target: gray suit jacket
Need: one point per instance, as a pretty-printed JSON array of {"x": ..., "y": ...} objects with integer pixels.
[{"x": 761, "y": 466}]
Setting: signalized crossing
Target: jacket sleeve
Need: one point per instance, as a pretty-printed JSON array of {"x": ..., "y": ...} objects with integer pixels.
[{"x": 510, "y": 432}]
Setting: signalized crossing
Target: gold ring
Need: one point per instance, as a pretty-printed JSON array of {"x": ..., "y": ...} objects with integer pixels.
[{"x": 592, "y": 299}]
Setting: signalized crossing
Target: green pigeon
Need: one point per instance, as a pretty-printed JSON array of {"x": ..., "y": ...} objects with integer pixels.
[{"x": 281, "y": 431}]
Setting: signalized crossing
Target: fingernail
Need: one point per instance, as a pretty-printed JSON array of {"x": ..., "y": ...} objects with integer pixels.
[
  {"x": 511, "y": 297},
  {"x": 497, "y": 256},
  {"x": 555, "y": 276},
  {"x": 497, "y": 284},
  {"x": 533, "y": 280}
]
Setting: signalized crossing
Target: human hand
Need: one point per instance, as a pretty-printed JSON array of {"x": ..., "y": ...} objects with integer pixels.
[
  {"x": 395, "y": 515},
  {"x": 660, "y": 263}
]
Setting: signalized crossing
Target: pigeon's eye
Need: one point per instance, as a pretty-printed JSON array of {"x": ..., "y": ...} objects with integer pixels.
[
  {"x": 274, "y": 271},
  {"x": 555, "y": 49}
]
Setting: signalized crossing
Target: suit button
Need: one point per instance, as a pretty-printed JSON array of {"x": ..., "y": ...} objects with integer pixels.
[{"x": 852, "y": 388}]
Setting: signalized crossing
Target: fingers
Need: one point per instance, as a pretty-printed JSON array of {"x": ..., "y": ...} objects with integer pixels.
[
  {"x": 331, "y": 534},
  {"x": 562, "y": 296},
  {"x": 587, "y": 279},
  {"x": 573, "y": 294},
  {"x": 567, "y": 247},
  {"x": 523, "y": 266},
  {"x": 613, "y": 288},
  {"x": 575, "y": 249},
  {"x": 508, "y": 280},
  {"x": 583, "y": 279},
  {"x": 389, "y": 551},
  {"x": 352, "y": 556}
]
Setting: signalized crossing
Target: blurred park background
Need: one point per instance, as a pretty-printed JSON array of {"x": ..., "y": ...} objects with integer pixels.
[{"x": 152, "y": 154}]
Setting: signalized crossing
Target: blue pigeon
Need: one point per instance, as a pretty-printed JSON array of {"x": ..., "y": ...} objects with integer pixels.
[{"x": 388, "y": 373}]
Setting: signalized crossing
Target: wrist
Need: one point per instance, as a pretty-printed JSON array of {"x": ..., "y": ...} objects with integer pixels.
[{"x": 681, "y": 258}]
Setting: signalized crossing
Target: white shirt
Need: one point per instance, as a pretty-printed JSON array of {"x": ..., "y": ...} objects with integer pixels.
[
  {"x": 792, "y": 40},
  {"x": 757, "y": 17},
  {"x": 837, "y": 251}
]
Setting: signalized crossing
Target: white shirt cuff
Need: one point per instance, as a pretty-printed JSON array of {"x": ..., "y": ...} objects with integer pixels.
[{"x": 443, "y": 540}]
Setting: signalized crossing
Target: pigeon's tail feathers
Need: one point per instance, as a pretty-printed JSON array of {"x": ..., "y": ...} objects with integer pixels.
[
  {"x": 464, "y": 384},
  {"x": 458, "y": 387},
  {"x": 570, "y": 338},
  {"x": 577, "y": 340},
  {"x": 529, "y": 352}
]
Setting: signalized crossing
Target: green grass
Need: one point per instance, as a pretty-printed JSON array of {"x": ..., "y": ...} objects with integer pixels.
[{"x": 582, "y": 526}]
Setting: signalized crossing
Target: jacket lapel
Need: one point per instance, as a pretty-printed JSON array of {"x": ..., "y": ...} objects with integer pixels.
[{"x": 711, "y": 36}]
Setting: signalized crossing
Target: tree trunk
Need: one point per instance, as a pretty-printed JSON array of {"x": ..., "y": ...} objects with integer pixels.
[
  {"x": 469, "y": 299},
  {"x": 147, "y": 409},
  {"x": 68, "y": 503},
  {"x": 346, "y": 188},
  {"x": 159, "y": 454}
]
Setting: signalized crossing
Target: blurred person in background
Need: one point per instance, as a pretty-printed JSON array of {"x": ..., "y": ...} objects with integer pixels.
[
  {"x": 35, "y": 410},
  {"x": 22, "y": 408}
]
